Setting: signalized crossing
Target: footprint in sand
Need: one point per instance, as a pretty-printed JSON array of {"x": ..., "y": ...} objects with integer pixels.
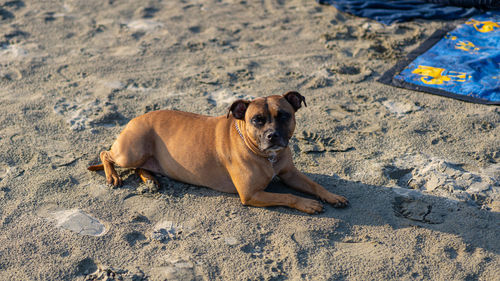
[
  {"x": 5, "y": 15},
  {"x": 262, "y": 250},
  {"x": 125, "y": 51},
  {"x": 97, "y": 272},
  {"x": 400, "y": 109},
  {"x": 194, "y": 46},
  {"x": 88, "y": 111},
  {"x": 417, "y": 210},
  {"x": 374, "y": 41},
  {"x": 85, "y": 267},
  {"x": 147, "y": 12},
  {"x": 439, "y": 177},
  {"x": 60, "y": 155},
  {"x": 225, "y": 97},
  {"x": 177, "y": 268},
  {"x": 240, "y": 75},
  {"x": 14, "y": 36},
  {"x": 207, "y": 77},
  {"x": 134, "y": 237},
  {"x": 256, "y": 248},
  {"x": 165, "y": 231},
  {"x": 12, "y": 52},
  {"x": 350, "y": 73},
  {"x": 144, "y": 25},
  {"x": 8, "y": 9},
  {"x": 314, "y": 143},
  {"x": 318, "y": 80},
  {"x": 9, "y": 172},
  {"x": 11, "y": 74}
]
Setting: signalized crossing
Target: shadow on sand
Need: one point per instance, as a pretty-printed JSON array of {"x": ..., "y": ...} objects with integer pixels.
[
  {"x": 370, "y": 205},
  {"x": 402, "y": 208}
]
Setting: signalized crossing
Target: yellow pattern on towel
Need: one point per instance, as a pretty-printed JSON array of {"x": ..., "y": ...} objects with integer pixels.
[
  {"x": 483, "y": 26},
  {"x": 436, "y": 76}
]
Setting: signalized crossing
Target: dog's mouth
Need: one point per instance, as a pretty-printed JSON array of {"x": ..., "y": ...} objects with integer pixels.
[{"x": 275, "y": 147}]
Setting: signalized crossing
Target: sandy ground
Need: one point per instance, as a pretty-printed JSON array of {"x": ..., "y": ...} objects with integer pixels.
[{"x": 421, "y": 171}]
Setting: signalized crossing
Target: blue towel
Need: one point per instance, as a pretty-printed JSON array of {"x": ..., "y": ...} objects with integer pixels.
[
  {"x": 391, "y": 11},
  {"x": 464, "y": 64}
]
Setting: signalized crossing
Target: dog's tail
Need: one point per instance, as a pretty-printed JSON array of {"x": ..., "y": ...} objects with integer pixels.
[{"x": 96, "y": 167}]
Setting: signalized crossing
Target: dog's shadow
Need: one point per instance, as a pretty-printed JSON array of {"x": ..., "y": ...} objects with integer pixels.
[{"x": 372, "y": 205}]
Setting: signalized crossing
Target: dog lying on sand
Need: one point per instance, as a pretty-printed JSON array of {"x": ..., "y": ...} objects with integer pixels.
[{"x": 238, "y": 153}]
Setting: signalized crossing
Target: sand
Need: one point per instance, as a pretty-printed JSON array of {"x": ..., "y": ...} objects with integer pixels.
[{"x": 421, "y": 171}]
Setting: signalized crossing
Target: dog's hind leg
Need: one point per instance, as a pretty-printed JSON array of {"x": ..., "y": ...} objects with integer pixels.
[
  {"x": 112, "y": 176},
  {"x": 148, "y": 178},
  {"x": 132, "y": 149}
]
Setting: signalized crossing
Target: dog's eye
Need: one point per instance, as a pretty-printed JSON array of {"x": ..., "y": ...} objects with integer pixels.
[
  {"x": 283, "y": 116},
  {"x": 259, "y": 120}
]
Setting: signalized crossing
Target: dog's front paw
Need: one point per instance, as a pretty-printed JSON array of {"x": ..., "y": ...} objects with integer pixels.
[
  {"x": 309, "y": 206},
  {"x": 337, "y": 201}
]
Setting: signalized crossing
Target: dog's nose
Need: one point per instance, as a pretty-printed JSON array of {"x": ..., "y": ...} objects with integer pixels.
[{"x": 272, "y": 135}]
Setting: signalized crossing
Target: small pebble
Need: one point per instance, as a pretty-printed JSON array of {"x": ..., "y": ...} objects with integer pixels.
[{"x": 231, "y": 241}]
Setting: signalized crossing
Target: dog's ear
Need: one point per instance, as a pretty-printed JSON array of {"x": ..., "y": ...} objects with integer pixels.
[
  {"x": 295, "y": 99},
  {"x": 238, "y": 108}
]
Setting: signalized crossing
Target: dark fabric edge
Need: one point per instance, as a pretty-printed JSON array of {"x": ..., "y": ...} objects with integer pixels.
[
  {"x": 473, "y": 11},
  {"x": 439, "y": 92},
  {"x": 388, "y": 77}
]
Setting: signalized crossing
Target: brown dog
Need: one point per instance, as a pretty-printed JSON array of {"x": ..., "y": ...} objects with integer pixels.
[{"x": 238, "y": 153}]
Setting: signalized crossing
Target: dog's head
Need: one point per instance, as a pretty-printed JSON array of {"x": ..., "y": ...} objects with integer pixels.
[{"x": 270, "y": 121}]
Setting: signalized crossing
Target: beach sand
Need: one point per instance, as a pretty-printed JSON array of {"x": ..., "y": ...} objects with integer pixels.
[{"x": 421, "y": 172}]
